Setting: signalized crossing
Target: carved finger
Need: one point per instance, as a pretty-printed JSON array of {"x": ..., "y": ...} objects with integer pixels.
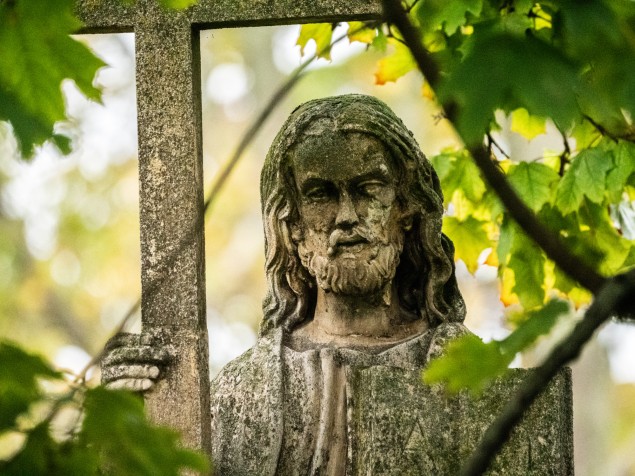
[
  {"x": 123, "y": 339},
  {"x": 116, "y": 372},
  {"x": 132, "y": 384},
  {"x": 136, "y": 355}
]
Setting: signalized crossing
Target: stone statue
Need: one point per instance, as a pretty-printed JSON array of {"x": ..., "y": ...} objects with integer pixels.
[{"x": 361, "y": 290}]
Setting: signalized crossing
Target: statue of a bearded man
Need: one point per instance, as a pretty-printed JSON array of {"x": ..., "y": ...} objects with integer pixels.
[
  {"x": 359, "y": 275},
  {"x": 361, "y": 294}
]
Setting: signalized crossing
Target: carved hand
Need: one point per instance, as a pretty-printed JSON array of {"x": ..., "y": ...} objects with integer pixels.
[{"x": 133, "y": 362}]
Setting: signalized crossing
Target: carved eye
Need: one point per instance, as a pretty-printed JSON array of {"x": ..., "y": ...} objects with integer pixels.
[
  {"x": 317, "y": 194},
  {"x": 371, "y": 187}
]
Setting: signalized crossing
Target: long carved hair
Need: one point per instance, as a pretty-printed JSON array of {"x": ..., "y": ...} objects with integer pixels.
[{"x": 425, "y": 277}]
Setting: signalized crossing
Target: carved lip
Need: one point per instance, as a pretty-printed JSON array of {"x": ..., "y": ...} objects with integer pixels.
[{"x": 350, "y": 240}]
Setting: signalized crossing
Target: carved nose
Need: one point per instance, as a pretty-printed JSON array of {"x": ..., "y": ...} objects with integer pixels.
[{"x": 346, "y": 215}]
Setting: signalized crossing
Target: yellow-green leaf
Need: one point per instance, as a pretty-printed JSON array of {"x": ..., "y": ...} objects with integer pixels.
[
  {"x": 469, "y": 237},
  {"x": 394, "y": 66},
  {"x": 321, "y": 34},
  {"x": 178, "y": 4},
  {"x": 528, "y": 264},
  {"x": 536, "y": 323},
  {"x": 467, "y": 363},
  {"x": 360, "y": 31},
  {"x": 586, "y": 176},
  {"x": 526, "y": 125}
]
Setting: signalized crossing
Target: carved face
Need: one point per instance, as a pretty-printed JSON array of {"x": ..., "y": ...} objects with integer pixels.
[{"x": 350, "y": 231}]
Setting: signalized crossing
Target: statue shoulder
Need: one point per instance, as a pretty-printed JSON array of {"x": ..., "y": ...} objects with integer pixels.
[
  {"x": 442, "y": 334},
  {"x": 247, "y": 370},
  {"x": 246, "y": 411}
]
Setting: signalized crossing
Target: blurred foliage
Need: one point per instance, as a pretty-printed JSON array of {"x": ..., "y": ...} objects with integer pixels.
[
  {"x": 110, "y": 433},
  {"x": 35, "y": 60}
]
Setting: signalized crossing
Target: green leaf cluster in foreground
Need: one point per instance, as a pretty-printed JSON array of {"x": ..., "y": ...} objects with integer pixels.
[
  {"x": 582, "y": 195},
  {"x": 470, "y": 363},
  {"x": 109, "y": 434},
  {"x": 36, "y": 55}
]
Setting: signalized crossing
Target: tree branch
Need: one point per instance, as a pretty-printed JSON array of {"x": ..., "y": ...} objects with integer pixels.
[
  {"x": 543, "y": 236},
  {"x": 611, "y": 295},
  {"x": 615, "y": 294}
]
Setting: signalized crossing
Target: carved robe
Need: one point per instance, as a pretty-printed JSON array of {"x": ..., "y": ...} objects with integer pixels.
[
  {"x": 276, "y": 410},
  {"x": 337, "y": 412}
]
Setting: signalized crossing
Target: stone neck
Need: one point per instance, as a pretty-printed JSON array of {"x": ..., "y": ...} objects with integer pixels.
[
  {"x": 371, "y": 316},
  {"x": 359, "y": 321}
]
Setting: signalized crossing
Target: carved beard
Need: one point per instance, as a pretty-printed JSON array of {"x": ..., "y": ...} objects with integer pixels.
[{"x": 349, "y": 273}]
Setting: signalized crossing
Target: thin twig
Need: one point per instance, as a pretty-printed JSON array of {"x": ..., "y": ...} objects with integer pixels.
[
  {"x": 615, "y": 294},
  {"x": 493, "y": 142}
]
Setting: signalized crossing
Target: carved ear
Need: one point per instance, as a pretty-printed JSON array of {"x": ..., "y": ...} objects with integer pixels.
[
  {"x": 406, "y": 220},
  {"x": 296, "y": 233}
]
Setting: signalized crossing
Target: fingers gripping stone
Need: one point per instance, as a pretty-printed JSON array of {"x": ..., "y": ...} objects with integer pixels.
[{"x": 133, "y": 361}]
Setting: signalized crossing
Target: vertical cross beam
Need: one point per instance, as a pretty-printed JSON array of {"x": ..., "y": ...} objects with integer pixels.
[{"x": 171, "y": 200}]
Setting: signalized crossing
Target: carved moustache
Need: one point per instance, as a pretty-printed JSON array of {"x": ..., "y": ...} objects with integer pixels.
[{"x": 347, "y": 238}]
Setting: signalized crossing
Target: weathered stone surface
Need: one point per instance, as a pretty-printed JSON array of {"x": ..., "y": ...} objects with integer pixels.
[
  {"x": 114, "y": 16},
  {"x": 402, "y": 426},
  {"x": 171, "y": 202},
  {"x": 362, "y": 294}
]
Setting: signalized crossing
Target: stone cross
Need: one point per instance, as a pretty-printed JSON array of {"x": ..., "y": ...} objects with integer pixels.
[{"x": 171, "y": 176}]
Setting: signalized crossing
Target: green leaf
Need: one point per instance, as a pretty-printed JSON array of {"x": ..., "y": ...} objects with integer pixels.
[
  {"x": 457, "y": 171},
  {"x": 19, "y": 382},
  {"x": 394, "y": 66},
  {"x": 43, "y": 455},
  {"x": 321, "y": 34},
  {"x": 583, "y": 26},
  {"x": 537, "y": 323},
  {"x": 116, "y": 426},
  {"x": 528, "y": 264},
  {"x": 533, "y": 183},
  {"x": 63, "y": 143},
  {"x": 380, "y": 43},
  {"x": 505, "y": 240},
  {"x": 599, "y": 233},
  {"x": 177, "y": 4},
  {"x": 526, "y": 125},
  {"x": 469, "y": 237},
  {"x": 36, "y": 55},
  {"x": 362, "y": 32},
  {"x": 624, "y": 157},
  {"x": 467, "y": 363},
  {"x": 504, "y": 71},
  {"x": 586, "y": 176},
  {"x": 437, "y": 14}
]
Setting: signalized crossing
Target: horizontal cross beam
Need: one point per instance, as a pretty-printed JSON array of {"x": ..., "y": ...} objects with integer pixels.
[{"x": 113, "y": 16}]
